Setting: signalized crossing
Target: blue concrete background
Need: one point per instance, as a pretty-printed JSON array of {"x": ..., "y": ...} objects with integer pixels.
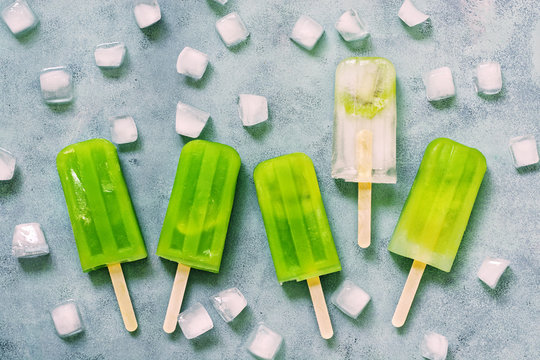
[{"x": 479, "y": 323}]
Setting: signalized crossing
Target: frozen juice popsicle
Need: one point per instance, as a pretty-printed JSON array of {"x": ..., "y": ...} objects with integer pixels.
[
  {"x": 296, "y": 225},
  {"x": 102, "y": 217},
  {"x": 436, "y": 212},
  {"x": 197, "y": 219},
  {"x": 364, "y": 149}
]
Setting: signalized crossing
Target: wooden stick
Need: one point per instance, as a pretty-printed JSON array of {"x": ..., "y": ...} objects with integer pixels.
[
  {"x": 177, "y": 295},
  {"x": 122, "y": 295},
  {"x": 321, "y": 311},
  {"x": 407, "y": 296},
  {"x": 364, "y": 164}
]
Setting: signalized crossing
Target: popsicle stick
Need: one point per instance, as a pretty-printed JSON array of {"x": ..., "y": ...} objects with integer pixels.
[
  {"x": 407, "y": 296},
  {"x": 364, "y": 165},
  {"x": 122, "y": 295},
  {"x": 321, "y": 311},
  {"x": 177, "y": 295}
]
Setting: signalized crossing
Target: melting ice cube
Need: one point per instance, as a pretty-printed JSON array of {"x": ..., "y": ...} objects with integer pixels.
[
  {"x": 147, "y": 13},
  {"x": 123, "y": 129},
  {"x": 488, "y": 78},
  {"x": 66, "y": 319},
  {"x": 253, "y": 109},
  {"x": 264, "y": 343},
  {"x": 189, "y": 120},
  {"x": 110, "y": 55},
  {"x": 192, "y": 63},
  {"x": 434, "y": 346},
  {"x": 351, "y": 27},
  {"x": 410, "y": 14},
  {"x": 491, "y": 270},
  {"x": 524, "y": 150},
  {"x": 7, "y": 165},
  {"x": 232, "y": 29},
  {"x": 222, "y": 2},
  {"x": 29, "y": 241},
  {"x": 19, "y": 17},
  {"x": 56, "y": 85},
  {"x": 350, "y": 299},
  {"x": 195, "y": 321},
  {"x": 229, "y": 303},
  {"x": 439, "y": 84},
  {"x": 306, "y": 32}
]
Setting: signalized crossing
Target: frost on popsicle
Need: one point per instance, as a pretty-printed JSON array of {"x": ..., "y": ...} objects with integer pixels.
[
  {"x": 434, "y": 346},
  {"x": 410, "y": 14},
  {"x": 491, "y": 270},
  {"x": 29, "y": 241},
  {"x": 7, "y": 165},
  {"x": 19, "y": 17},
  {"x": 264, "y": 343},
  {"x": 195, "y": 321},
  {"x": 67, "y": 320}
]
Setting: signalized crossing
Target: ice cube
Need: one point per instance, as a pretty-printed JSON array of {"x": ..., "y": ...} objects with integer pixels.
[
  {"x": 488, "y": 78},
  {"x": 232, "y": 29},
  {"x": 189, "y": 120},
  {"x": 350, "y": 299},
  {"x": 222, "y": 2},
  {"x": 19, "y": 17},
  {"x": 434, "y": 346},
  {"x": 439, "y": 84},
  {"x": 195, "y": 321},
  {"x": 56, "y": 85},
  {"x": 253, "y": 109},
  {"x": 229, "y": 303},
  {"x": 123, "y": 129},
  {"x": 110, "y": 55},
  {"x": 264, "y": 343},
  {"x": 410, "y": 14},
  {"x": 192, "y": 63},
  {"x": 147, "y": 13},
  {"x": 29, "y": 241},
  {"x": 306, "y": 32},
  {"x": 524, "y": 150},
  {"x": 491, "y": 271},
  {"x": 351, "y": 27},
  {"x": 7, "y": 165},
  {"x": 66, "y": 318}
]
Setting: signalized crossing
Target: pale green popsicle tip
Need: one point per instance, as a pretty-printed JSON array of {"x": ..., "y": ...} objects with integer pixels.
[{"x": 439, "y": 204}]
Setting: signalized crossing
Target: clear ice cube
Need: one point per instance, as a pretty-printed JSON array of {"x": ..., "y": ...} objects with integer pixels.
[
  {"x": 229, "y": 303},
  {"x": 524, "y": 150},
  {"x": 264, "y": 343},
  {"x": 66, "y": 318},
  {"x": 123, "y": 129},
  {"x": 110, "y": 55},
  {"x": 351, "y": 27},
  {"x": 491, "y": 270},
  {"x": 350, "y": 299},
  {"x": 252, "y": 109},
  {"x": 29, "y": 241},
  {"x": 434, "y": 346},
  {"x": 195, "y": 321},
  {"x": 306, "y": 32},
  {"x": 222, "y": 2},
  {"x": 410, "y": 15},
  {"x": 19, "y": 17},
  {"x": 147, "y": 13},
  {"x": 192, "y": 63},
  {"x": 56, "y": 85},
  {"x": 7, "y": 165},
  {"x": 439, "y": 84},
  {"x": 232, "y": 29},
  {"x": 189, "y": 120},
  {"x": 488, "y": 78}
]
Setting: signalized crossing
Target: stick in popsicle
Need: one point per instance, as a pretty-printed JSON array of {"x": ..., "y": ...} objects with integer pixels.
[
  {"x": 102, "y": 217},
  {"x": 364, "y": 149},
  {"x": 297, "y": 228},
  {"x": 436, "y": 213},
  {"x": 195, "y": 226}
]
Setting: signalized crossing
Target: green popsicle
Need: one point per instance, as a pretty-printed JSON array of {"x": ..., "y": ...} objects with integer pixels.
[{"x": 102, "y": 216}]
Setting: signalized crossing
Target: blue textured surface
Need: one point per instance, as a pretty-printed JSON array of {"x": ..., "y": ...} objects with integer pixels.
[{"x": 479, "y": 323}]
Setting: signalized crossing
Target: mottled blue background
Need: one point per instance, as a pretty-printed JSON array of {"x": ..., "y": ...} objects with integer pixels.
[{"x": 479, "y": 323}]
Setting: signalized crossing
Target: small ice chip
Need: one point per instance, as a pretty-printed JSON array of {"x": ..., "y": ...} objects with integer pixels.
[
  {"x": 350, "y": 299},
  {"x": 491, "y": 270},
  {"x": 66, "y": 318},
  {"x": 195, "y": 321},
  {"x": 189, "y": 120},
  {"x": 56, "y": 85},
  {"x": 192, "y": 63},
  {"x": 351, "y": 27},
  {"x": 229, "y": 303},
  {"x": 29, "y": 241},
  {"x": 264, "y": 343},
  {"x": 410, "y": 14},
  {"x": 123, "y": 129},
  {"x": 110, "y": 55},
  {"x": 222, "y": 2},
  {"x": 232, "y": 29},
  {"x": 488, "y": 78},
  {"x": 147, "y": 13},
  {"x": 7, "y": 165},
  {"x": 524, "y": 150},
  {"x": 306, "y": 32},
  {"x": 19, "y": 17},
  {"x": 439, "y": 84},
  {"x": 253, "y": 109},
  {"x": 434, "y": 346}
]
